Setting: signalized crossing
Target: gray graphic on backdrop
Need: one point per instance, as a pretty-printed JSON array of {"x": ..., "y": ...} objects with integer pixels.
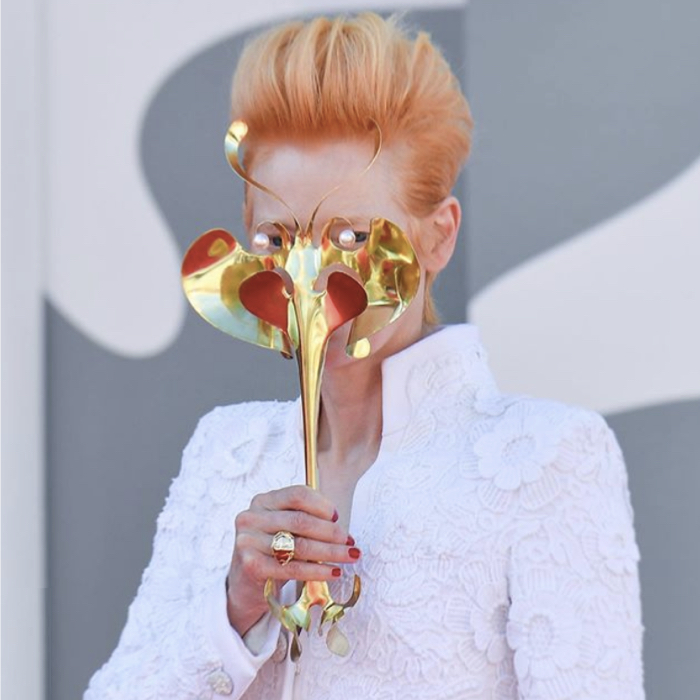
[
  {"x": 551, "y": 161},
  {"x": 117, "y": 426}
]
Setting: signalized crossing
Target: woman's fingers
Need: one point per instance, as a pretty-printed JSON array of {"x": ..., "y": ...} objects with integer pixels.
[
  {"x": 300, "y": 498},
  {"x": 297, "y": 509},
  {"x": 260, "y": 567},
  {"x": 314, "y": 551},
  {"x": 305, "y": 549},
  {"x": 297, "y": 522}
]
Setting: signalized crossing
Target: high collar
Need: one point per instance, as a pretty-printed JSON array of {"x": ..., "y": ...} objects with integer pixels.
[{"x": 451, "y": 355}]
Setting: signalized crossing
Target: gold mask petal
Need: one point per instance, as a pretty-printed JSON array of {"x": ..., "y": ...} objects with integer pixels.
[{"x": 213, "y": 271}]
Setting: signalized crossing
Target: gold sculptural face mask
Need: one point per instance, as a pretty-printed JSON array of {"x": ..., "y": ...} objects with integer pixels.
[{"x": 291, "y": 296}]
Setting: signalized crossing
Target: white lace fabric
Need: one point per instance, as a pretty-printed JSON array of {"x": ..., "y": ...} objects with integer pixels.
[{"x": 499, "y": 556}]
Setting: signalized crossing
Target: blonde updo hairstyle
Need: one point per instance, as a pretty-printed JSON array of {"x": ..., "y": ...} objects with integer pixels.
[{"x": 328, "y": 77}]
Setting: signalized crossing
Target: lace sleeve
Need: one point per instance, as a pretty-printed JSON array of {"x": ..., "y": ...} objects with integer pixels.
[
  {"x": 575, "y": 615},
  {"x": 177, "y": 642}
]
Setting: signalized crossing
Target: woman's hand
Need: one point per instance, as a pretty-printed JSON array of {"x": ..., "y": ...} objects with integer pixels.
[{"x": 312, "y": 519}]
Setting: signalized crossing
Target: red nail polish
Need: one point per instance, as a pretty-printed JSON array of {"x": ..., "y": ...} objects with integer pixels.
[
  {"x": 336, "y": 572},
  {"x": 335, "y": 516},
  {"x": 350, "y": 541},
  {"x": 354, "y": 553}
]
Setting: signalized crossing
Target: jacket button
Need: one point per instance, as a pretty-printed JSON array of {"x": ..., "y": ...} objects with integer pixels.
[{"x": 220, "y": 682}]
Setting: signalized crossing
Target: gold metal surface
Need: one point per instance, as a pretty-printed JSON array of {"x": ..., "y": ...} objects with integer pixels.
[{"x": 291, "y": 298}]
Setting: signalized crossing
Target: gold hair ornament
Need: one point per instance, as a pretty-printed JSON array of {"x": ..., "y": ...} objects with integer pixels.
[{"x": 292, "y": 299}]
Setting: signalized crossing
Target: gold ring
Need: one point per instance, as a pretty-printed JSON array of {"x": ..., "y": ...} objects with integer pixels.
[{"x": 282, "y": 547}]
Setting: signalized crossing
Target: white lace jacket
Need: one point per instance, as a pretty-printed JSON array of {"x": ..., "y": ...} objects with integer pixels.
[{"x": 499, "y": 556}]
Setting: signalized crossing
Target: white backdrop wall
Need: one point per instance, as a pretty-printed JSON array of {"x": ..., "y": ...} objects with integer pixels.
[
  {"x": 577, "y": 260},
  {"x": 22, "y": 351}
]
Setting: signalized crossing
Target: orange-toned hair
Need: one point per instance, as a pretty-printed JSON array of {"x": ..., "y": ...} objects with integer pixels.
[{"x": 327, "y": 78}]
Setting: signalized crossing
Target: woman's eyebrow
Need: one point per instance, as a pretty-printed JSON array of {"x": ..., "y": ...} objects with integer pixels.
[
  {"x": 289, "y": 225},
  {"x": 352, "y": 219}
]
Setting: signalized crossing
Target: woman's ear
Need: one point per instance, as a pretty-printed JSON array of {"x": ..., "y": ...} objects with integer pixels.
[{"x": 440, "y": 234}]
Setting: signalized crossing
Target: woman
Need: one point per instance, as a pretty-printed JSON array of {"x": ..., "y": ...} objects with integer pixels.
[{"x": 493, "y": 533}]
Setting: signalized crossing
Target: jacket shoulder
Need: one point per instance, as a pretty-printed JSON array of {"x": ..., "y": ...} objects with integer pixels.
[
  {"x": 230, "y": 438},
  {"x": 552, "y": 415},
  {"x": 523, "y": 438}
]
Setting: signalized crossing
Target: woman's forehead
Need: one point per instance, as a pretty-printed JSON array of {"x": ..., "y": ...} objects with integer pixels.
[{"x": 303, "y": 174}]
